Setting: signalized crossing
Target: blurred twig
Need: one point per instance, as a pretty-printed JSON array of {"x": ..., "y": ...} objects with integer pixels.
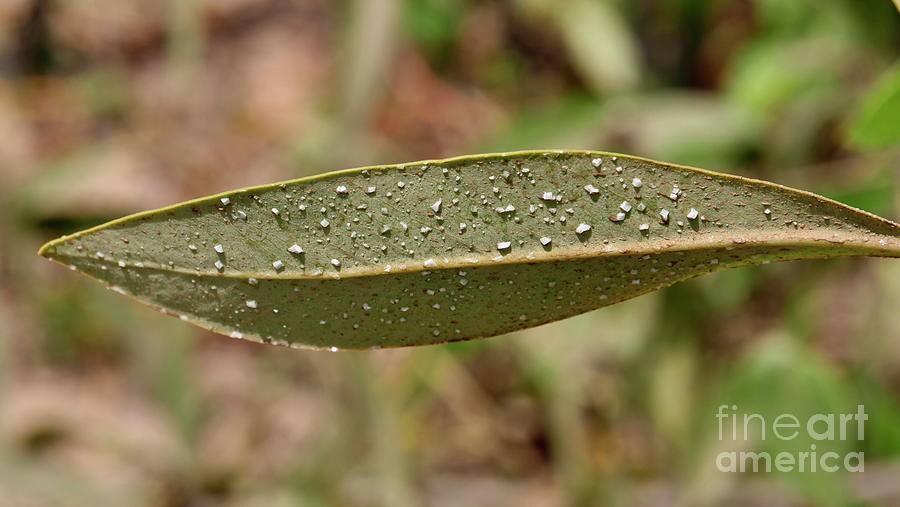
[
  {"x": 382, "y": 409},
  {"x": 563, "y": 397},
  {"x": 185, "y": 32},
  {"x": 369, "y": 46},
  {"x": 185, "y": 40}
]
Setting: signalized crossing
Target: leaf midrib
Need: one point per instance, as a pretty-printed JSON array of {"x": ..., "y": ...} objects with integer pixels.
[{"x": 710, "y": 242}]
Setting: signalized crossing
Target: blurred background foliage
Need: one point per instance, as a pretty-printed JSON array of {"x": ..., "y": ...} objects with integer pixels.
[{"x": 109, "y": 107}]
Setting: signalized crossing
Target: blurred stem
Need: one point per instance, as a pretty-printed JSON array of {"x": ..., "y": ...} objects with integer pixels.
[
  {"x": 477, "y": 414},
  {"x": 380, "y": 399},
  {"x": 5, "y": 339},
  {"x": 173, "y": 384},
  {"x": 562, "y": 394},
  {"x": 185, "y": 37},
  {"x": 568, "y": 435},
  {"x": 369, "y": 46},
  {"x": 6, "y": 285}
]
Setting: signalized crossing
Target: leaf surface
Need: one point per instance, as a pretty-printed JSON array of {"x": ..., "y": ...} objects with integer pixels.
[{"x": 455, "y": 249}]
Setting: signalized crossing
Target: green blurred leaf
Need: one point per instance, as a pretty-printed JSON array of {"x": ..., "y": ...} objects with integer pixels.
[
  {"x": 686, "y": 127},
  {"x": 446, "y": 250},
  {"x": 573, "y": 119},
  {"x": 877, "y": 124},
  {"x": 782, "y": 376},
  {"x": 599, "y": 41},
  {"x": 760, "y": 80},
  {"x": 432, "y": 24},
  {"x": 875, "y": 193}
]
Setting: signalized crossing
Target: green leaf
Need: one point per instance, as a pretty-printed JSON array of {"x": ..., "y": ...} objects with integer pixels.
[
  {"x": 600, "y": 43},
  {"x": 877, "y": 124},
  {"x": 446, "y": 250}
]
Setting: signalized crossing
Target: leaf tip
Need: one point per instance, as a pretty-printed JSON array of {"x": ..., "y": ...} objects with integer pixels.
[
  {"x": 49, "y": 249},
  {"x": 45, "y": 250}
]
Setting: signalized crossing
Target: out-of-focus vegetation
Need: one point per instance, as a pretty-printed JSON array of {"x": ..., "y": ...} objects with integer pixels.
[{"x": 114, "y": 106}]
